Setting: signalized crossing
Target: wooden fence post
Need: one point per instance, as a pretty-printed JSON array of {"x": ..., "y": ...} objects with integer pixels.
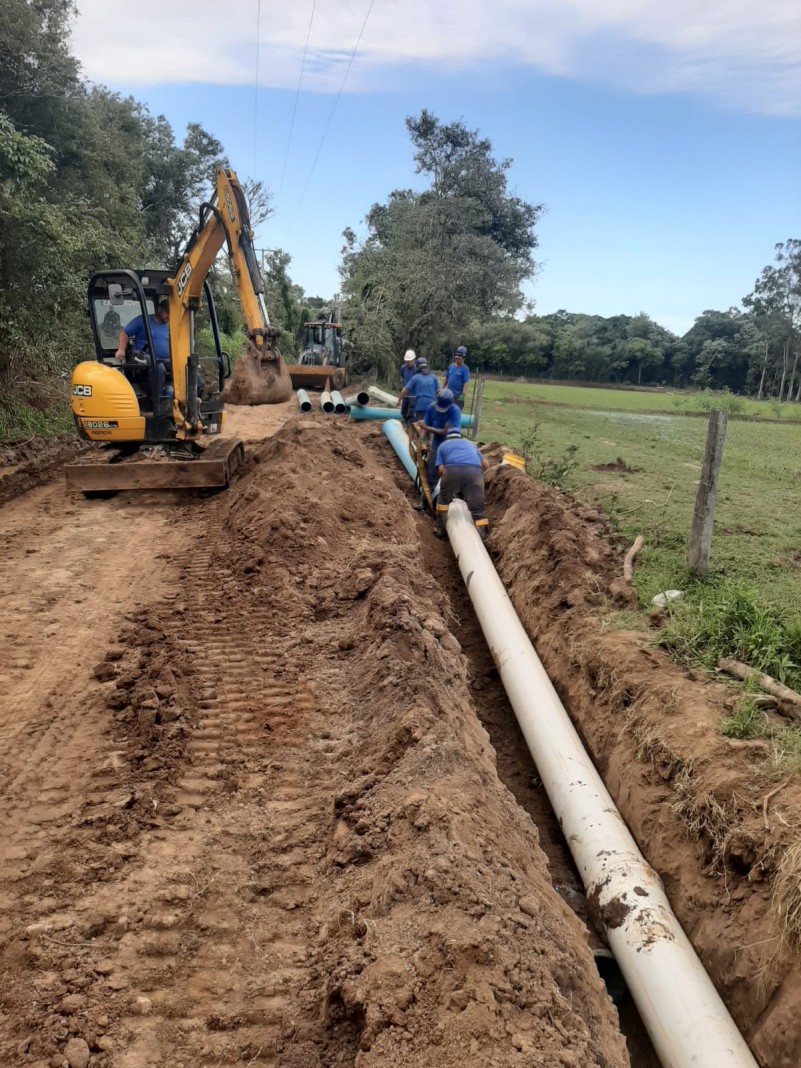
[{"x": 704, "y": 513}]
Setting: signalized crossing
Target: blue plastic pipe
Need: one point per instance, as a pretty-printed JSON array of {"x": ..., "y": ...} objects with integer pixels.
[
  {"x": 399, "y": 440},
  {"x": 392, "y": 413}
]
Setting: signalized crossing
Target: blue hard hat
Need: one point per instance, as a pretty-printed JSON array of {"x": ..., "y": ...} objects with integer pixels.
[
  {"x": 453, "y": 433},
  {"x": 461, "y": 351},
  {"x": 444, "y": 400},
  {"x": 421, "y": 361}
]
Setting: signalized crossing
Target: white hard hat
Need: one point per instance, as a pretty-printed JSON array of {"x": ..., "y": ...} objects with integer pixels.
[{"x": 409, "y": 356}]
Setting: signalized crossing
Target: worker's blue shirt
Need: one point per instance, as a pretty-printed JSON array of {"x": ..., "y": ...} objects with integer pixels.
[
  {"x": 458, "y": 452},
  {"x": 456, "y": 378},
  {"x": 452, "y": 416},
  {"x": 408, "y": 372},
  {"x": 423, "y": 387},
  {"x": 160, "y": 332}
]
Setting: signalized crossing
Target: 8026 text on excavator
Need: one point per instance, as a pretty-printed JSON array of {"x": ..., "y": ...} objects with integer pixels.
[{"x": 171, "y": 398}]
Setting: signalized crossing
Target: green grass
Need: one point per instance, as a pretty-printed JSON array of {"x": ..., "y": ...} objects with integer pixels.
[
  {"x": 749, "y": 606},
  {"x": 685, "y": 402},
  {"x": 757, "y": 539},
  {"x": 19, "y": 421}
]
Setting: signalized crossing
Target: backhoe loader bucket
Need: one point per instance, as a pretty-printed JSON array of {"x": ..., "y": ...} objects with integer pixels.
[
  {"x": 315, "y": 376},
  {"x": 214, "y": 468}
]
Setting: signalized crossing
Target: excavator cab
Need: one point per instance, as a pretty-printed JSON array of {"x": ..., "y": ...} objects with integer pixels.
[
  {"x": 322, "y": 357},
  {"x": 132, "y": 401}
]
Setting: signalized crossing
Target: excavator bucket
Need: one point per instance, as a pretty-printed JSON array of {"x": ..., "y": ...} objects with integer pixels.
[
  {"x": 311, "y": 376},
  {"x": 258, "y": 378},
  {"x": 214, "y": 468}
]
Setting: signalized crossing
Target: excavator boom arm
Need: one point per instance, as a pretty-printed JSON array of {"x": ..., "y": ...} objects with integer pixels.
[{"x": 225, "y": 220}]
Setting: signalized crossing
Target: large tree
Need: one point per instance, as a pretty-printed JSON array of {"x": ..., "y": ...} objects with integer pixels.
[
  {"x": 775, "y": 309},
  {"x": 432, "y": 262}
]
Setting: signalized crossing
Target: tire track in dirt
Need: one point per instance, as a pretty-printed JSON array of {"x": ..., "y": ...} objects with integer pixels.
[{"x": 204, "y": 950}]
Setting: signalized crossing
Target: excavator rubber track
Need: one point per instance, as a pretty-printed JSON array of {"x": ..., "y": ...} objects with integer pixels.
[{"x": 214, "y": 468}]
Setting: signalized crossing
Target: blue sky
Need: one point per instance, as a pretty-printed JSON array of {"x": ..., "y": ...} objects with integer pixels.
[{"x": 665, "y": 150}]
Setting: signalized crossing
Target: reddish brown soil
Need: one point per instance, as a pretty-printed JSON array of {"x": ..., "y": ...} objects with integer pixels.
[
  {"x": 262, "y": 801},
  {"x": 249, "y": 812},
  {"x": 30, "y": 464}
]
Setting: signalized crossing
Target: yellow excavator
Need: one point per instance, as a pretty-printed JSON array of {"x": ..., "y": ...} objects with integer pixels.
[{"x": 160, "y": 393}]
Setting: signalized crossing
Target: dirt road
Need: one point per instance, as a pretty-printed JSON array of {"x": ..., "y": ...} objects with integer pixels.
[{"x": 249, "y": 813}]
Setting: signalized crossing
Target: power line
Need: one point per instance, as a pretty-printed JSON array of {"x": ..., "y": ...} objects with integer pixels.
[
  {"x": 330, "y": 117},
  {"x": 295, "y": 107}
]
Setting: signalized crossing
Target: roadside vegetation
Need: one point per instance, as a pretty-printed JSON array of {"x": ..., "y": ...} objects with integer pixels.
[{"x": 638, "y": 457}]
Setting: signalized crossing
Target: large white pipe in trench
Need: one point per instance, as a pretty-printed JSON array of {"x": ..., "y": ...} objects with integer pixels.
[{"x": 689, "y": 1025}]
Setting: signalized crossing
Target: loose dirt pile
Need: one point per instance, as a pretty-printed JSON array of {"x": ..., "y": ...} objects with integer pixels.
[
  {"x": 299, "y": 850},
  {"x": 32, "y": 463},
  {"x": 258, "y": 380},
  {"x": 694, "y": 800}
]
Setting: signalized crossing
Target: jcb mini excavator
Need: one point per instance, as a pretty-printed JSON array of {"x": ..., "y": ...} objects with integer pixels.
[
  {"x": 135, "y": 402},
  {"x": 322, "y": 357}
]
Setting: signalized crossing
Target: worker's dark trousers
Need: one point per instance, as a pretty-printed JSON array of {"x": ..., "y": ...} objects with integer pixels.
[{"x": 465, "y": 481}]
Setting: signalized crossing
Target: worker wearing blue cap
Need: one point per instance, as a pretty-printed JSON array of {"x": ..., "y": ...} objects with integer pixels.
[
  {"x": 441, "y": 416},
  {"x": 461, "y": 467},
  {"x": 457, "y": 376}
]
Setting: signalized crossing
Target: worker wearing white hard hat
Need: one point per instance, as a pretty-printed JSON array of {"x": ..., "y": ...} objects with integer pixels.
[{"x": 407, "y": 370}]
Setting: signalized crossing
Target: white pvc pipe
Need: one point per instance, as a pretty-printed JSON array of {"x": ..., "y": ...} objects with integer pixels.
[
  {"x": 689, "y": 1025},
  {"x": 380, "y": 395}
]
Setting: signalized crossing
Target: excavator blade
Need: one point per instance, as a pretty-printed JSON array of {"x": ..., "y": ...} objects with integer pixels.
[{"x": 214, "y": 468}]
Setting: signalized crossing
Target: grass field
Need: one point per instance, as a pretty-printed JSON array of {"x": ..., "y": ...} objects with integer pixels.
[{"x": 653, "y": 451}]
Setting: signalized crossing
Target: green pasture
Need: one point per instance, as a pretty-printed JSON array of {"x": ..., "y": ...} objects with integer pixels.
[
  {"x": 696, "y": 403},
  {"x": 653, "y": 452}
]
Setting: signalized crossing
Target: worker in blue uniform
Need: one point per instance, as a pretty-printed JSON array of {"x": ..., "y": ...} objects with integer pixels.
[
  {"x": 441, "y": 416},
  {"x": 457, "y": 376},
  {"x": 421, "y": 388},
  {"x": 461, "y": 469},
  {"x": 407, "y": 373}
]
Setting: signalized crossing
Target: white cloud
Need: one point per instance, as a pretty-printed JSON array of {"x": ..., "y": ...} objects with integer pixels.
[{"x": 745, "y": 53}]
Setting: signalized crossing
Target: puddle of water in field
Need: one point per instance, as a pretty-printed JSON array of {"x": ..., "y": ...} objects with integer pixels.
[{"x": 661, "y": 426}]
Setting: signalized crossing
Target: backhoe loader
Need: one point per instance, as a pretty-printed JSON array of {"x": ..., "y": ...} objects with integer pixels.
[
  {"x": 127, "y": 398},
  {"x": 322, "y": 357}
]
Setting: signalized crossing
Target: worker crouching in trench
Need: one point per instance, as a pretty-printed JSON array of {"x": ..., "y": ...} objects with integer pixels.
[{"x": 461, "y": 467}]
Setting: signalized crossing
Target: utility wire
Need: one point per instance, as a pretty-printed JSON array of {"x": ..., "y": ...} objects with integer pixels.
[
  {"x": 256, "y": 88},
  {"x": 295, "y": 107},
  {"x": 330, "y": 118}
]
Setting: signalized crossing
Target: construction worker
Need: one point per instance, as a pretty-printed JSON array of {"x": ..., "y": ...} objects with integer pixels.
[
  {"x": 457, "y": 376},
  {"x": 421, "y": 388},
  {"x": 461, "y": 468},
  {"x": 160, "y": 332},
  {"x": 407, "y": 372},
  {"x": 441, "y": 416}
]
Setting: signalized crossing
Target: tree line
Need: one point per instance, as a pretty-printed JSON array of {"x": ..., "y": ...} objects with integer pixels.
[{"x": 444, "y": 267}]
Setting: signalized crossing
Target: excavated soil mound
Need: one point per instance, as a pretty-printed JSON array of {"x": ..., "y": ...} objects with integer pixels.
[
  {"x": 28, "y": 465},
  {"x": 285, "y": 841},
  {"x": 256, "y": 380},
  {"x": 695, "y": 801}
]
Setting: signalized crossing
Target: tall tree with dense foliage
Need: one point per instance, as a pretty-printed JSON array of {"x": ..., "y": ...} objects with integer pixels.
[
  {"x": 88, "y": 179},
  {"x": 433, "y": 261}
]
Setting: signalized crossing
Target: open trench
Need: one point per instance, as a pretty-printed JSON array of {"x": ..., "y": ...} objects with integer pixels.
[{"x": 271, "y": 807}]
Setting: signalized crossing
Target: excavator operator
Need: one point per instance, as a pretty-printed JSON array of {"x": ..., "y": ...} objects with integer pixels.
[{"x": 134, "y": 331}]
